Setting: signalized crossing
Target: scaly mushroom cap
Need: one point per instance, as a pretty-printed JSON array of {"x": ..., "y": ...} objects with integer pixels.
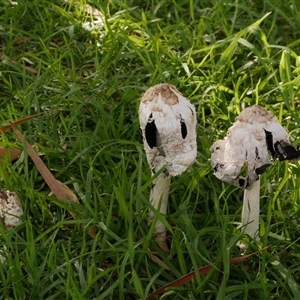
[
  {"x": 255, "y": 135},
  {"x": 168, "y": 123},
  {"x": 10, "y": 209}
]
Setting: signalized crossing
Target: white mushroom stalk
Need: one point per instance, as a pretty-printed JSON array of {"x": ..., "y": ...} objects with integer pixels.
[
  {"x": 168, "y": 123},
  {"x": 251, "y": 143}
]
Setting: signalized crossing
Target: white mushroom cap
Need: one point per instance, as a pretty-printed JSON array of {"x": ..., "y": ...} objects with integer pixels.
[
  {"x": 11, "y": 209},
  {"x": 168, "y": 123},
  {"x": 255, "y": 136}
]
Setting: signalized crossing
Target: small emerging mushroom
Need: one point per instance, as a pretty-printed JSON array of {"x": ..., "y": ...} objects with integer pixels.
[
  {"x": 11, "y": 209},
  {"x": 254, "y": 139},
  {"x": 11, "y": 212},
  {"x": 168, "y": 123}
]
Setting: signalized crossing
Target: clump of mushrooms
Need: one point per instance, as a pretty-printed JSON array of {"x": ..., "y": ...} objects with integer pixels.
[
  {"x": 252, "y": 142},
  {"x": 168, "y": 124}
]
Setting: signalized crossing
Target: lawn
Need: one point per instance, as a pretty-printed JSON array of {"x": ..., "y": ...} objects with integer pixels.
[{"x": 85, "y": 65}]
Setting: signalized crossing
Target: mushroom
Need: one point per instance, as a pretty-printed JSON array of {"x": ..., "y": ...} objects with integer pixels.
[
  {"x": 10, "y": 213},
  {"x": 251, "y": 143},
  {"x": 168, "y": 124},
  {"x": 10, "y": 209}
]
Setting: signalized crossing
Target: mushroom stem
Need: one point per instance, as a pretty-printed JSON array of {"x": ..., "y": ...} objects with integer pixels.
[
  {"x": 159, "y": 200},
  {"x": 250, "y": 212}
]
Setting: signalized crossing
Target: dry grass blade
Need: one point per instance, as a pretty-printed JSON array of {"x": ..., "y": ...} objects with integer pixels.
[
  {"x": 27, "y": 68},
  {"x": 61, "y": 191},
  {"x": 202, "y": 271},
  {"x": 92, "y": 232},
  {"x": 56, "y": 186},
  {"x": 18, "y": 122},
  {"x": 15, "y": 62},
  {"x": 158, "y": 261},
  {"x": 14, "y": 153},
  {"x": 21, "y": 39}
]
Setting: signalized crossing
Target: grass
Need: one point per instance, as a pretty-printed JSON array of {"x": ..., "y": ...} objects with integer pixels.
[{"x": 222, "y": 55}]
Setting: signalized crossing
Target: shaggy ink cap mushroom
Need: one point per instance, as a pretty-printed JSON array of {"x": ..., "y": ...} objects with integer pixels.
[
  {"x": 254, "y": 139},
  {"x": 168, "y": 123},
  {"x": 11, "y": 212},
  {"x": 11, "y": 209},
  {"x": 251, "y": 143}
]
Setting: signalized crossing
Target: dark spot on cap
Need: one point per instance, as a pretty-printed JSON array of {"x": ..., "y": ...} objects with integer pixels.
[
  {"x": 166, "y": 172},
  {"x": 151, "y": 133},
  {"x": 183, "y": 128},
  {"x": 191, "y": 111},
  {"x": 242, "y": 182},
  {"x": 217, "y": 166},
  {"x": 281, "y": 150},
  {"x": 256, "y": 153},
  {"x": 3, "y": 195},
  {"x": 262, "y": 169},
  {"x": 269, "y": 141},
  {"x": 286, "y": 151},
  {"x": 161, "y": 151}
]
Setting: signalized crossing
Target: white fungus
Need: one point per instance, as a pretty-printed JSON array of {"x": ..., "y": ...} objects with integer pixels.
[
  {"x": 168, "y": 123},
  {"x": 251, "y": 144},
  {"x": 11, "y": 212},
  {"x": 254, "y": 139},
  {"x": 11, "y": 209}
]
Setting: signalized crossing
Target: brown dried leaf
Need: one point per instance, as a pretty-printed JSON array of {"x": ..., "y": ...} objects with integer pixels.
[
  {"x": 30, "y": 69},
  {"x": 21, "y": 39},
  {"x": 20, "y": 121},
  {"x": 27, "y": 68},
  {"x": 56, "y": 187},
  {"x": 69, "y": 195},
  {"x": 92, "y": 231},
  {"x": 14, "y": 153},
  {"x": 61, "y": 191},
  {"x": 202, "y": 271},
  {"x": 158, "y": 261}
]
